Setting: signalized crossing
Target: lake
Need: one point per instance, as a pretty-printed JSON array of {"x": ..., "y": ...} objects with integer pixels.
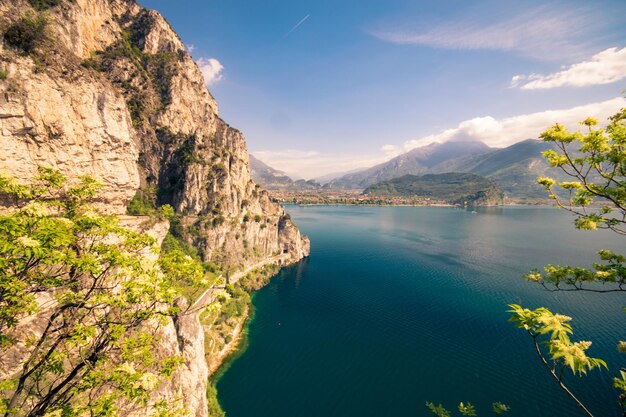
[{"x": 397, "y": 306}]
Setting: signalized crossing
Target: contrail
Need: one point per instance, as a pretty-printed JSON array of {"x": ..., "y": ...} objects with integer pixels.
[{"x": 297, "y": 25}]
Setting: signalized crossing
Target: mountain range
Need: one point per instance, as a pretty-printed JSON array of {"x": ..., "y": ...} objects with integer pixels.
[
  {"x": 514, "y": 168},
  {"x": 417, "y": 161}
]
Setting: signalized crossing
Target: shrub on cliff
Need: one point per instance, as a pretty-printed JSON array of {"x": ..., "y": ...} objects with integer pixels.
[
  {"x": 44, "y": 4},
  {"x": 27, "y": 33}
]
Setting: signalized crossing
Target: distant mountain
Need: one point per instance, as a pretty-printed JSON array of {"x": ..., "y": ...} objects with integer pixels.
[
  {"x": 514, "y": 168},
  {"x": 264, "y": 174},
  {"x": 451, "y": 187},
  {"x": 324, "y": 179},
  {"x": 416, "y": 161},
  {"x": 272, "y": 179}
]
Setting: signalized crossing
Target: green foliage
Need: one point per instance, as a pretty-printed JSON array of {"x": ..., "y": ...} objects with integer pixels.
[
  {"x": 499, "y": 408},
  {"x": 161, "y": 67},
  {"x": 437, "y": 410},
  {"x": 124, "y": 48},
  {"x": 556, "y": 330},
  {"x": 91, "y": 63},
  {"x": 143, "y": 203},
  {"x": 190, "y": 274},
  {"x": 467, "y": 409},
  {"x": 218, "y": 220},
  {"x": 172, "y": 243},
  {"x": 213, "y": 405},
  {"x": 135, "y": 108},
  {"x": 42, "y": 5},
  {"x": 257, "y": 279},
  {"x": 186, "y": 154},
  {"x": 101, "y": 298},
  {"x": 3, "y": 75},
  {"x": 611, "y": 273},
  {"x": 595, "y": 160},
  {"x": 156, "y": 72},
  {"x": 27, "y": 33}
]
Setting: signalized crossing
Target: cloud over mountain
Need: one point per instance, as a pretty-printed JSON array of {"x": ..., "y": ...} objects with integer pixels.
[{"x": 506, "y": 131}]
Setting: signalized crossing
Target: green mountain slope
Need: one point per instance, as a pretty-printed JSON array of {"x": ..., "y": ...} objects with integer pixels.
[
  {"x": 451, "y": 187},
  {"x": 514, "y": 168},
  {"x": 416, "y": 161}
]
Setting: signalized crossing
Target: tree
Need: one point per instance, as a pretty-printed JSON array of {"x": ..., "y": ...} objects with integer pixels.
[
  {"x": 597, "y": 198},
  {"x": 81, "y": 299}
]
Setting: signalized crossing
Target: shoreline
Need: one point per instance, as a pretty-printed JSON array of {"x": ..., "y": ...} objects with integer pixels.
[
  {"x": 422, "y": 205},
  {"x": 234, "y": 348}
]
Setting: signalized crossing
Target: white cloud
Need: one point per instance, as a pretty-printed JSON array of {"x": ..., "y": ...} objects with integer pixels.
[
  {"x": 605, "y": 67},
  {"x": 211, "y": 70},
  {"x": 494, "y": 132},
  {"x": 391, "y": 151},
  {"x": 542, "y": 33},
  {"x": 190, "y": 47},
  {"x": 507, "y": 131}
]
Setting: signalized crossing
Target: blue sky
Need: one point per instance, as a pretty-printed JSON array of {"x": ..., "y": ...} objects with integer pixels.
[{"x": 318, "y": 86}]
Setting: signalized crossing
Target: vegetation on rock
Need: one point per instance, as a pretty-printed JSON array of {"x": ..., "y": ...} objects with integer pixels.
[
  {"x": 26, "y": 34},
  {"x": 92, "y": 297},
  {"x": 42, "y": 5}
]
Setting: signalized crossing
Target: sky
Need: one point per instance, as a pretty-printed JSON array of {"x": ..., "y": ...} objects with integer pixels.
[{"x": 323, "y": 86}]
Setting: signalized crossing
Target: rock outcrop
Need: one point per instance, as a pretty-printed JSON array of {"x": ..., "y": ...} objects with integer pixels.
[
  {"x": 111, "y": 92},
  {"x": 108, "y": 90}
]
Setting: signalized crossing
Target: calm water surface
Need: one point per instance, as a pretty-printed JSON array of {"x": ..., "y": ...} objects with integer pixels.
[{"x": 401, "y": 305}]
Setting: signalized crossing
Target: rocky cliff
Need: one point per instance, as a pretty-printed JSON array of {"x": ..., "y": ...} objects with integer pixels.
[{"x": 105, "y": 88}]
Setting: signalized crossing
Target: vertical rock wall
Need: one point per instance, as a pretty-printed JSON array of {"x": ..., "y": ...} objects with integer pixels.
[{"x": 110, "y": 92}]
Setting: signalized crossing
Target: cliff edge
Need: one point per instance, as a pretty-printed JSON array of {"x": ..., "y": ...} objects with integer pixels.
[{"x": 105, "y": 88}]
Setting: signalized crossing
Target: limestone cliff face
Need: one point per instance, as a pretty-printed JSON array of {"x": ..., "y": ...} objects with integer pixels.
[{"x": 109, "y": 91}]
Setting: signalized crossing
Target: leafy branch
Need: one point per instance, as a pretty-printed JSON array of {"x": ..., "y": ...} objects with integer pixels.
[
  {"x": 81, "y": 302},
  {"x": 553, "y": 331}
]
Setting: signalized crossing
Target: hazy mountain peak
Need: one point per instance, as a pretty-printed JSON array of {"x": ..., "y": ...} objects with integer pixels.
[{"x": 415, "y": 162}]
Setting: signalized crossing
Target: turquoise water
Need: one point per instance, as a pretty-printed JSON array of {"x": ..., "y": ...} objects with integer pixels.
[{"x": 401, "y": 305}]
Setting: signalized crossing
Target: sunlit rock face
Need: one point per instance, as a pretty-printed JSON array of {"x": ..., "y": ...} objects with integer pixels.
[{"x": 110, "y": 92}]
